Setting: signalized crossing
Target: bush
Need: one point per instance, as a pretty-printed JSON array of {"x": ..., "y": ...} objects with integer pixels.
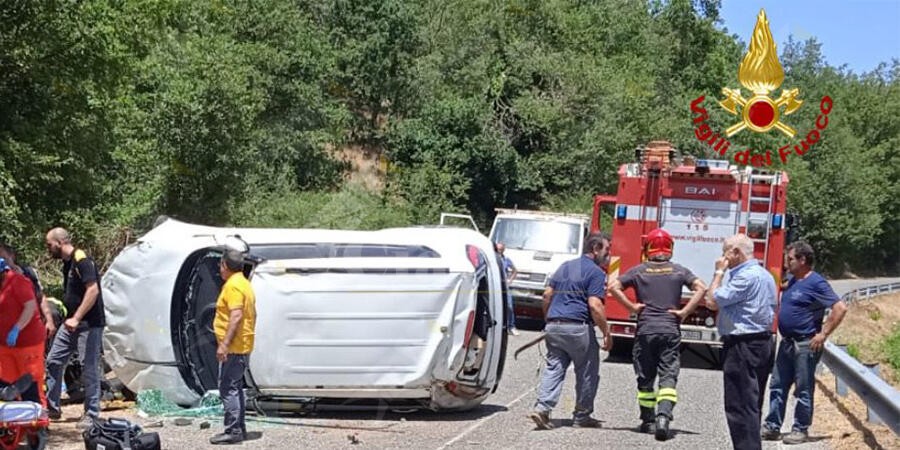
[
  {"x": 875, "y": 315},
  {"x": 892, "y": 349},
  {"x": 351, "y": 208}
]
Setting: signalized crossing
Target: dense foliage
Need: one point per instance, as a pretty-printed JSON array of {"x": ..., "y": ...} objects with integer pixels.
[{"x": 242, "y": 112}]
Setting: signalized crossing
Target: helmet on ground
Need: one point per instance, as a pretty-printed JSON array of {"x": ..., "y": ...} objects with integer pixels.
[{"x": 658, "y": 242}]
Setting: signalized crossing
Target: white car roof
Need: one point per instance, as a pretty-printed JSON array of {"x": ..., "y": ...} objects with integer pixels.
[
  {"x": 449, "y": 243},
  {"x": 575, "y": 219}
]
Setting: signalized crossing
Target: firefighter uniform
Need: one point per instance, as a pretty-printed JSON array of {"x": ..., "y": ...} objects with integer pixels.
[{"x": 656, "y": 346}]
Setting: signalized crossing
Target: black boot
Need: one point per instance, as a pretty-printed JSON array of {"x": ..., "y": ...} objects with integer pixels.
[
  {"x": 648, "y": 427},
  {"x": 647, "y": 420},
  {"x": 662, "y": 427},
  {"x": 225, "y": 439}
]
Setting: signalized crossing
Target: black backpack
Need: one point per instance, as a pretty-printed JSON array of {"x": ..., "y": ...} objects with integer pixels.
[{"x": 118, "y": 434}]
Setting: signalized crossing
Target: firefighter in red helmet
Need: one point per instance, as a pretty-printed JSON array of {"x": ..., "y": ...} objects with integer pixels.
[{"x": 657, "y": 285}]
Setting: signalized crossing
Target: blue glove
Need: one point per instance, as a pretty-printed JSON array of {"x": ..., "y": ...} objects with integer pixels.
[{"x": 13, "y": 336}]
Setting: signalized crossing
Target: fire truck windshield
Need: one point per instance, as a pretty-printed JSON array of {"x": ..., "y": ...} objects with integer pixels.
[{"x": 538, "y": 235}]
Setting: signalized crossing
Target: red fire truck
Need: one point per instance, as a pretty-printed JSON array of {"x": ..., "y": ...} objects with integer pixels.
[{"x": 700, "y": 203}]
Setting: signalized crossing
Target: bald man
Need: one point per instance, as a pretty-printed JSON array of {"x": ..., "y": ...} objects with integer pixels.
[
  {"x": 746, "y": 302},
  {"x": 83, "y": 326}
]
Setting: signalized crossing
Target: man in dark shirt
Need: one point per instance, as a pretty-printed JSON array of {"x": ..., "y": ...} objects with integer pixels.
[
  {"x": 803, "y": 306},
  {"x": 657, "y": 284},
  {"x": 83, "y": 326},
  {"x": 573, "y": 304}
]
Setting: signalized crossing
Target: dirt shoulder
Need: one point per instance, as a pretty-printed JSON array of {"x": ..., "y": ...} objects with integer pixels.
[
  {"x": 866, "y": 328},
  {"x": 843, "y": 419}
]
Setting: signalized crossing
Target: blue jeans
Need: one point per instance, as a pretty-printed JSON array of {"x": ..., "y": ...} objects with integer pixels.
[
  {"x": 577, "y": 344},
  {"x": 231, "y": 391},
  {"x": 511, "y": 318},
  {"x": 794, "y": 364},
  {"x": 88, "y": 342}
]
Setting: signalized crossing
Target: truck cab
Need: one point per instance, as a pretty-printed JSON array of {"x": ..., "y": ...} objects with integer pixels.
[{"x": 537, "y": 242}]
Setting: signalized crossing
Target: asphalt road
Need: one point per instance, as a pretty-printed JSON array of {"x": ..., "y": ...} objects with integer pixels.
[{"x": 501, "y": 421}]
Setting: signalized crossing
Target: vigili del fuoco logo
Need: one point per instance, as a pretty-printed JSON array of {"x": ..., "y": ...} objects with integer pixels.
[{"x": 761, "y": 74}]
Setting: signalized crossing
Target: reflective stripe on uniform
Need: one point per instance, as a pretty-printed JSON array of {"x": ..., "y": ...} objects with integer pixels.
[
  {"x": 646, "y": 399},
  {"x": 667, "y": 394}
]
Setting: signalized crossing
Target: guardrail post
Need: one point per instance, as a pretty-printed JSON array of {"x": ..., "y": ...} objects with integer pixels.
[
  {"x": 839, "y": 386},
  {"x": 871, "y": 417}
]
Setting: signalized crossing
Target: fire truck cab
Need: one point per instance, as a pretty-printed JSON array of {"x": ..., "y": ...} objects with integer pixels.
[{"x": 700, "y": 203}]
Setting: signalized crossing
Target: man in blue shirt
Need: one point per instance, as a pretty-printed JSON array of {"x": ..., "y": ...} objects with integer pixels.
[
  {"x": 746, "y": 305},
  {"x": 803, "y": 306},
  {"x": 509, "y": 272},
  {"x": 573, "y": 304}
]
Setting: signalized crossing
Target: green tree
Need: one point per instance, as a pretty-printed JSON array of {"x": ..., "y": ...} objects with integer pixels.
[{"x": 373, "y": 69}]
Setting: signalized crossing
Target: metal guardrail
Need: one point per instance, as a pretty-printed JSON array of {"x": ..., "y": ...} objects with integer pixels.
[
  {"x": 870, "y": 291},
  {"x": 880, "y": 397}
]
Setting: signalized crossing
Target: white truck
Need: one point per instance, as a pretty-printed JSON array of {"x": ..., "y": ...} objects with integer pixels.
[{"x": 537, "y": 242}]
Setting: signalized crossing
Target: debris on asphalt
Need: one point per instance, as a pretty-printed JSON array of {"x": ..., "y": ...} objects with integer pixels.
[{"x": 152, "y": 402}]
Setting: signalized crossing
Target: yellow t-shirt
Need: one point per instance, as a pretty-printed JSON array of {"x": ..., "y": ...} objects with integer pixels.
[{"x": 236, "y": 293}]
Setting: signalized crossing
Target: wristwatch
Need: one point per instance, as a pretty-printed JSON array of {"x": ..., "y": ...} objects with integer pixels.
[{"x": 719, "y": 272}]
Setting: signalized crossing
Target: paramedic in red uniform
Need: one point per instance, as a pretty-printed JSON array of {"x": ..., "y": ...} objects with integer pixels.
[
  {"x": 657, "y": 284},
  {"x": 22, "y": 333}
]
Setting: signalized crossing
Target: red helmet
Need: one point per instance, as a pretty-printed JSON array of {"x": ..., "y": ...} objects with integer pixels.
[{"x": 658, "y": 242}]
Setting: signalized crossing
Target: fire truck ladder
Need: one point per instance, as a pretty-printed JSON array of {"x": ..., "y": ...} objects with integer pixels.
[{"x": 772, "y": 180}]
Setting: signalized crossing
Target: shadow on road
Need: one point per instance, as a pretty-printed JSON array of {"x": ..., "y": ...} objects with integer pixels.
[
  {"x": 673, "y": 432},
  {"x": 693, "y": 356},
  {"x": 393, "y": 414}
]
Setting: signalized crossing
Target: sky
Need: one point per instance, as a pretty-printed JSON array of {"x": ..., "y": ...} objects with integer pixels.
[{"x": 858, "y": 33}]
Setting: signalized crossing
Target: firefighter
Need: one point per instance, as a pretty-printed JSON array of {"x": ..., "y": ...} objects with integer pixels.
[{"x": 657, "y": 284}]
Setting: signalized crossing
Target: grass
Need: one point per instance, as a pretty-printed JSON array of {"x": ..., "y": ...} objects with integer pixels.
[
  {"x": 892, "y": 349},
  {"x": 871, "y": 332}
]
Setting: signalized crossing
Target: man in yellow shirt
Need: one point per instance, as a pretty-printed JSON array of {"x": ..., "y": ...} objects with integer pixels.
[{"x": 234, "y": 326}]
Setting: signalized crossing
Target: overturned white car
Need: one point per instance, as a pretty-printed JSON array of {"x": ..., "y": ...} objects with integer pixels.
[{"x": 407, "y": 317}]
